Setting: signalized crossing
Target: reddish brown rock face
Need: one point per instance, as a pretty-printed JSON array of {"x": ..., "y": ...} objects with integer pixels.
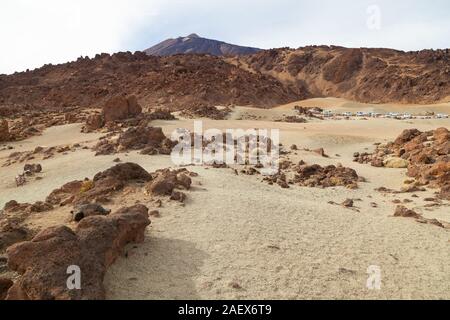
[
  {"x": 121, "y": 108},
  {"x": 5, "y": 284},
  {"x": 94, "y": 122},
  {"x": 93, "y": 246},
  {"x": 363, "y": 74},
  {"x": 4, "y": 130}
]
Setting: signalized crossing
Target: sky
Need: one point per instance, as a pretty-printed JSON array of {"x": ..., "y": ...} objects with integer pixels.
[{"x": 33, "y": 33}]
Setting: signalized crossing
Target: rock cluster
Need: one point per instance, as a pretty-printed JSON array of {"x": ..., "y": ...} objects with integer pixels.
[
  {"x": 27, "y": 123},
  {"x": 165, "y": 182},
  {"x": 206, "y": 111},
  {"x": 44, "y": 262},
  {"x": 117, "y": 108},
  {"x": 42, "y": 153},
  {"x": 404, "y": 212},
  {"x": 103, "y": 185},
  {"x": 329, "y": 176},
  {"x": 160, "y": 114},
  {"x": 150, "y": 140},
  {"x": 310, "y": 112},
  {"x": 426, "y": 155},
  {"x": 315, "y": 176},
  {"x": 293, "y": 119}
]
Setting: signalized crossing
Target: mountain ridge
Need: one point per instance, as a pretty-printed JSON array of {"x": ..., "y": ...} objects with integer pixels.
[{"x": 193, "y": 43}]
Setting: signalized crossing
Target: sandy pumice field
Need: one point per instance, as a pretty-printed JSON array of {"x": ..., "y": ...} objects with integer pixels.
[{"x": 238, "y": 237}]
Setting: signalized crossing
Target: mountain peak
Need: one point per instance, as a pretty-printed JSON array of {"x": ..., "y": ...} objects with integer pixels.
[{"x": 193, "y": 43}]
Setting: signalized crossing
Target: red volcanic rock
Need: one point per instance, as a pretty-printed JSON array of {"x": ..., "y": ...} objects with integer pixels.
[
  {"x": 140, "y": 137},
  {"x": 12, "y": 229},
  {"x": 184, "y": 181},
  {"x": 329, "y": 176},
  {"x": 11, "y": 233},
  {"x": 103, "y": 185},
  {"x": 406, "y": 136},
  {"x": 404, "y": 212},
  {"x": 163, "y": 185},
  {"x": 317, "y": 176},
  {"x": 427, "y": 155},
  {"x": 160, "y": 114},
  {"x": 114, "y": 179},
  {"x": 150, "y": 140},
  {"x": 134, "y": 108},
  {"x": 105, "y": 147},
  {"x": 94, "y": 122},
  {"x": 121, "y": 108},
  {"x": 178, "y": 196},
  {"x": 32, "y": 168},
  {"x": 4, "y": 130},
  {"x": 95, "y": 244},
  {"x": 124, "y": 172},
  {"x": 5, "y": 284},
  {"x": 65, "y": 194},
  {"x": 165, "y": 181},
  {"x": 321, "y": 152}
]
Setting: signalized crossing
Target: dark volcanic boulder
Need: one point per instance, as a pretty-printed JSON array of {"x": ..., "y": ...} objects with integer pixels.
[
  {"x": 124, "y": 172},
  {"x": 141, "y": 137}
]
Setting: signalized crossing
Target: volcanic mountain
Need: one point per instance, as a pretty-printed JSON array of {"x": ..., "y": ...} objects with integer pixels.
[
  {"x": 372, "y": 75},
  {"x": 266, "y": 78},
  {"x": 195, "y": 44}
]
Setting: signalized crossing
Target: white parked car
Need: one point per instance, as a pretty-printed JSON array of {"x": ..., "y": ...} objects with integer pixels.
[
  {"x": 393, "y": 115},
  {"x": 406, "y": 116},
  {"x": 442, "y": 116}
]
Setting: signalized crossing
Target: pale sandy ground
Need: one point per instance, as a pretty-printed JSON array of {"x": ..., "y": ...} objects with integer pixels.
[
  {"x": 344, "y": 105},
  {"x": 274, "y": 243}
]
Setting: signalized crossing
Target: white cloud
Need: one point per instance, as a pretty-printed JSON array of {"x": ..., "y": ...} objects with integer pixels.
[{"x": 37, "y": 32}]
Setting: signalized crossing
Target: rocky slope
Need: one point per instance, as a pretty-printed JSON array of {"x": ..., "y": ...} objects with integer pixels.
[
  {"x": 364, "y": 75},
  {"x": 264, "y": 79},
  {"x": 195, "y": 44},
  {"x": 177, "y": 82}
]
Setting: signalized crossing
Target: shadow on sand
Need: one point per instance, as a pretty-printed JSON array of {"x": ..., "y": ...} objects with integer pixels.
[{"x": 160, "y": 268}]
